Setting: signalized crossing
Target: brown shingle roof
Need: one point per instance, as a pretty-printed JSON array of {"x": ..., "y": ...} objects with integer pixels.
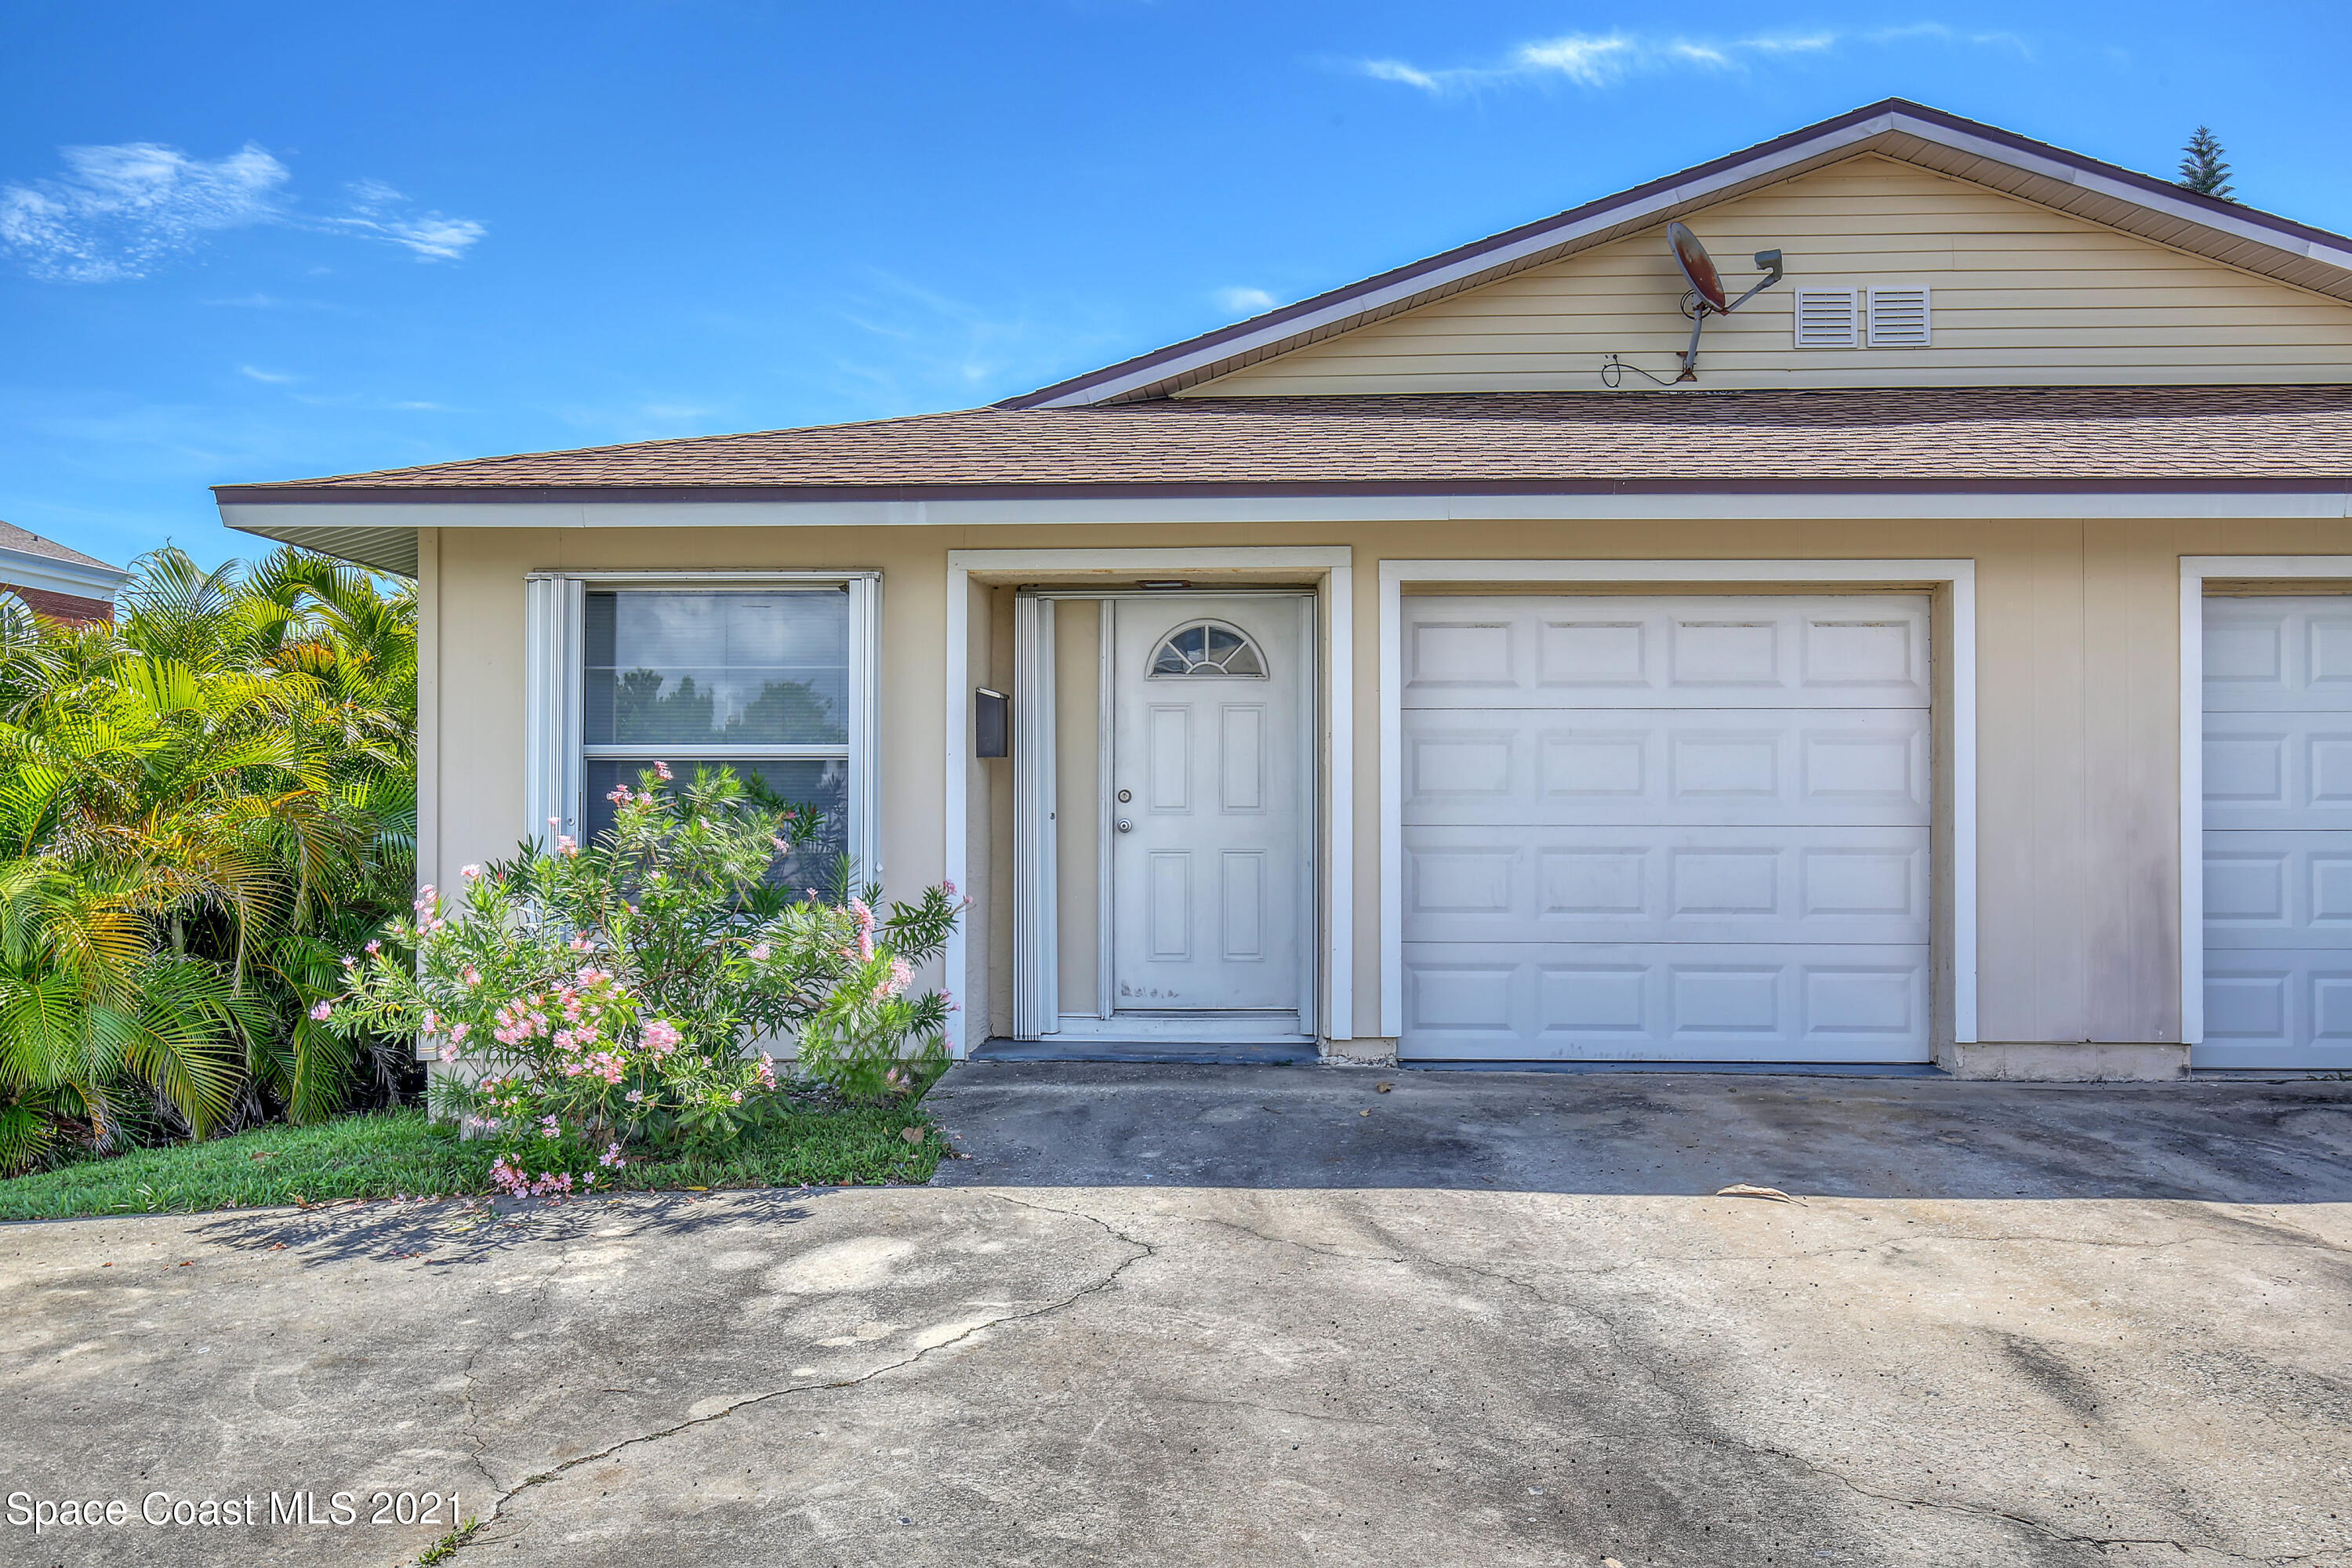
[
  {"x": 31, "y": 544},
  {"x": 2098, "y": 437}
]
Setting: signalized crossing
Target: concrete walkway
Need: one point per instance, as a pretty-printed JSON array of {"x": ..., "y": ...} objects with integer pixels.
[{"x": 1204, "y": 1315}]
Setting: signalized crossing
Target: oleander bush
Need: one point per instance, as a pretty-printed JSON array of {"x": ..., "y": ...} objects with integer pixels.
[{"x": 597, "y": 1004}]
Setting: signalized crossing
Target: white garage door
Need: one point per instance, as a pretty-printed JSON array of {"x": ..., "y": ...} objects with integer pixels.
[
  {"x": 2278, "y": 833},
  {"x": 1692, "y": 829}
]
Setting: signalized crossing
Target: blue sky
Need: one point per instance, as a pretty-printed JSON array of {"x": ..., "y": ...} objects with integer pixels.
[{"x": 246, "y": 241}]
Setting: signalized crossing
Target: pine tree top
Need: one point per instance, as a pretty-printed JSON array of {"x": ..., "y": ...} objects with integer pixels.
[{"x": 2202, "y": 168}]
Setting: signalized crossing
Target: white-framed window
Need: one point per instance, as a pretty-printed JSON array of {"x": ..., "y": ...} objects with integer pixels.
[{"x": 771, "y": 674}]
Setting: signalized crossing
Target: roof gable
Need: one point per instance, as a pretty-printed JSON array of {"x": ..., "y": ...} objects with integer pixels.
[
  {"x": 2103, "y": 193},
  {"x": 2008, "y": 292}
]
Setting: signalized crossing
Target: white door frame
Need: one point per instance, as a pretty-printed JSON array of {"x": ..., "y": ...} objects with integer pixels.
[
  {"x": 2195, "y": 571},
  {"x": 1328, "y": 571},
  {"x": 1036, "y": 912},
  {"x": 1956, "y": 577}
]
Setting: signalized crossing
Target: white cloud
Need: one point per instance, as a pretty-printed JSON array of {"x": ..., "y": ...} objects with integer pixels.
[
  {"x": 1601, "y": 60},
  {"x": 1397, "y": 70},
  {"x": 271, "y": 377},
  {"x": 1242, "y": 301},
  {"x": 1593, "y": 62},
  {"x": 119, "y": 211},
  {"x": 380, "y": 212}
]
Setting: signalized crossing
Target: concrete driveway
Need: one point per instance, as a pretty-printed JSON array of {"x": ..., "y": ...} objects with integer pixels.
[{"x": 1219, "y": 1315}]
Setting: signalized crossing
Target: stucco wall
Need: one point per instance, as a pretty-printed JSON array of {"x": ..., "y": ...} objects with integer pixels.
[{"x": 2077, "y": 693}]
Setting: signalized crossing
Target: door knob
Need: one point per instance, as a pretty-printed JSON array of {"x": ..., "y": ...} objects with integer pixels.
[{"x": 1125, "y": 826}]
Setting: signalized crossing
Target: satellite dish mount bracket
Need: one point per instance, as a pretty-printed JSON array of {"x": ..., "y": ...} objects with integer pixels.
[{"x": 1705, "y": 298}]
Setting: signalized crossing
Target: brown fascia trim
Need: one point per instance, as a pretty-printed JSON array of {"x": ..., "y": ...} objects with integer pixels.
[
  {"x": 2149, "y": 182},
  {"x": 573, "y": 495}
]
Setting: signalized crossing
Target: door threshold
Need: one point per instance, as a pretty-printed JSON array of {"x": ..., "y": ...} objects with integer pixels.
[
  {"x": 1142, "y": 1029},
  {"x": 1295, "y": 1051}
]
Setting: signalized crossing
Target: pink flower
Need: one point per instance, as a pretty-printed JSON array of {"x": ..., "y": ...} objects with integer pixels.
[
  {"x": 661, "y": 772},
  {"x": 566, "y": 845},
  {"x": 449, "y": 1051},
  {"x": 759, "y": 954},
  {"x": 470, "y": 872},
  {"x": 619, "y": 794},
  {"x": 781, "y": 848},
  {"x": 635, "y": 1096},
  {"x": 373, "y": 947},
  {"x": 322, "y": 1011},
  {"x": 609, "y": 1157},
  {"x": 457, "y": 1032},
  {"x": 948, "y": 888},
  {"x": 470, "y": 975},
  {"x": 555, "y": 822},
  {"x": 661, "y": 1036},
  {"x": 432, "y": 1022},
  {"x": 350, "y": 963}
]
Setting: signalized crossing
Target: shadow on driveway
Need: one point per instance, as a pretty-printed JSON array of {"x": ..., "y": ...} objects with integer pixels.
[
  {"x": 1073, "y": 1124},
  {"x": 450, "y": 1234}
]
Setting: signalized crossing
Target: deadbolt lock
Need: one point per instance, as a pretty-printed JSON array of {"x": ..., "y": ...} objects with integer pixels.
[{"x": 1125, "y": 795}]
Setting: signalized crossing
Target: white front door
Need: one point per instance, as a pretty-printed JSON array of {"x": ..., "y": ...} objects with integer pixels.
[
  {"x": 2278, "y": 833},
  {"x": 1210, "y": 906}
]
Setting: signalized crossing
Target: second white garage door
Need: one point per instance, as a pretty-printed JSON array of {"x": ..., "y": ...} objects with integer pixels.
[{"x": 1689, "y": 828}]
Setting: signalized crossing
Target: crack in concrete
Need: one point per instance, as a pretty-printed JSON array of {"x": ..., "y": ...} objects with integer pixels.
[
  {"x": 1143, "y": 1249},
  {"x": 473, "y": 1411}
]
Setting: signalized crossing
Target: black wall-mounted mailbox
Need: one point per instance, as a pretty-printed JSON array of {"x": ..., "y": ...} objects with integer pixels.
[{"x": 991, "y": 723}]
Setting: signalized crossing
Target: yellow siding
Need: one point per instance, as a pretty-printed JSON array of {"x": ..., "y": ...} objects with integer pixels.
[{"x": 2022, "y": 295}]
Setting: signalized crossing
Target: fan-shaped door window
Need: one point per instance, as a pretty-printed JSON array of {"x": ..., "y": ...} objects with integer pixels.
[{"x": 1210, "y": 649}]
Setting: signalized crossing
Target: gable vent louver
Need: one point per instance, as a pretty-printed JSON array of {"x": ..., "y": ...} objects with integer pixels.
[
  {"x": 1827, "y": 318},
  {"x": 1898, "y": 319}
]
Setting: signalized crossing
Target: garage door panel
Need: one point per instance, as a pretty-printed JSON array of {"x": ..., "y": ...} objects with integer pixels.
[
  {"x": 1668, "y": 1002},
  {"x": 2278, "y": 770},
  {"x": 1667, "y": 766},
  {"x": 1683, "y": 884},
  {"x": 2278, "y": 833},
  {"x": 2284, "y": 1008},
  {"x": 1631, "y": 651},
  {"x": 2278, "y": 655},
  {"x": 2278, "y": 888}
]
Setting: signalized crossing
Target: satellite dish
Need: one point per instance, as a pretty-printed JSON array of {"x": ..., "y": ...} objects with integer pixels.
[
  {"x": 1707, "y": 297},
  {"x": 1698, "y": 268}
]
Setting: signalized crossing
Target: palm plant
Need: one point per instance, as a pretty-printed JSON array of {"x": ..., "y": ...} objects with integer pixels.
[{"x": 200, "y": 808}]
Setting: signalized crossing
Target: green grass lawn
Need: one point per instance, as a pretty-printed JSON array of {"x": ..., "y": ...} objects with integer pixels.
[{"x": 402, "y": 1152}]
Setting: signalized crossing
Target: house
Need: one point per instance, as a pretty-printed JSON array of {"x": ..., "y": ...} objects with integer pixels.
[
  {"x": 53, "y": 581},
  {"x": 1957, "y": 669}
]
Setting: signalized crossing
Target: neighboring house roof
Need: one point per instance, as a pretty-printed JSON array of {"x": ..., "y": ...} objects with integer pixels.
[
  {"x": 42, "y": 566},
  {"x": 2118, "y": 198},
  {"x": 1932, "y": 438},
  {"x": 25, "y": 541}
]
